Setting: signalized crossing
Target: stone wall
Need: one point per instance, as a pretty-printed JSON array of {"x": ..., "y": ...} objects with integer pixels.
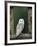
[{"x": 30, "y": 20}]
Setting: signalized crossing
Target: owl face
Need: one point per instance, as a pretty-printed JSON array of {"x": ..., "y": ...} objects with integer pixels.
[{"x": 21, "y": 21}]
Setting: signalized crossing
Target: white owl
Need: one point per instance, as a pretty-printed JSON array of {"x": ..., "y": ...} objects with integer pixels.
[{"x": 19, "y": 27}]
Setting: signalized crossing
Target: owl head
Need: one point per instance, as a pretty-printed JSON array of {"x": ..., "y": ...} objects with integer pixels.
[{"x": 21, "y": 21}]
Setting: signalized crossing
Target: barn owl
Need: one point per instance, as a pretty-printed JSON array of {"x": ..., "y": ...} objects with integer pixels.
[{"x": 19, "y": 27}]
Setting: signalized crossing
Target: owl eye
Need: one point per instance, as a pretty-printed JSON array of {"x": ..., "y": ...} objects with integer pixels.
[{"x": 21, "y": 21}]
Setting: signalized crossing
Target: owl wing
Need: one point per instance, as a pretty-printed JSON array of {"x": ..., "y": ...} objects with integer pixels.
[{"x": 19, "y": 29}]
